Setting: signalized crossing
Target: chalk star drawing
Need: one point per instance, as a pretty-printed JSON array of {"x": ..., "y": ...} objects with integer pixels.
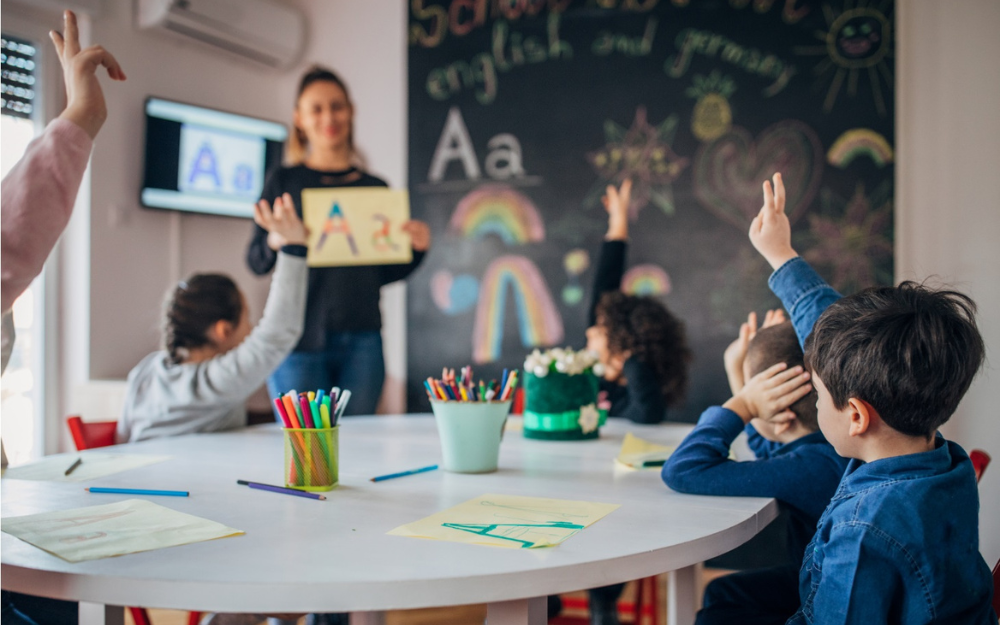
[
  {"x": 857, "y": 41},
  {"x": 854, "y": 250},
  {"x": 644, "y": 154}
]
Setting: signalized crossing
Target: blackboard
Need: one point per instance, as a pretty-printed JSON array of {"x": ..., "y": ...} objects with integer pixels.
[{"x": 521, "y": 111}]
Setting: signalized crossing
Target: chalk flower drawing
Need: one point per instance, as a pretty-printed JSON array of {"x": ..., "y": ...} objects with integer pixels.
[
  {"x": 855, "y": 250},
  {"x": 644, "y": 154}
]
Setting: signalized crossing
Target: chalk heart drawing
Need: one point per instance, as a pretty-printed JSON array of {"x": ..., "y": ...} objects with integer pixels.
[{"x": 729, "y": 171}]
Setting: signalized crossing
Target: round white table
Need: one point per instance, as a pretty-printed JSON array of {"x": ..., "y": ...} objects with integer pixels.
[{"x": 302, "y": 555}]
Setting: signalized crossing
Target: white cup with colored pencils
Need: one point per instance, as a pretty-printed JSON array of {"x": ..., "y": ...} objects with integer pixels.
[
  {"x": 311, "y": 425},
  {"x": 470, "y": 417}
]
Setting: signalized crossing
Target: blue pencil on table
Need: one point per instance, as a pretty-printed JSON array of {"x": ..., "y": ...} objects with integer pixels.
[
  {"x": 139, "y": 491},
  {"x": 404, "y": 473},
  {"x": 281, "y": 489}
]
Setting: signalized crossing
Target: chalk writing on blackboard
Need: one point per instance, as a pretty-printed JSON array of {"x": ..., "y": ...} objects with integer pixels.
[
  {"x": 642, "y": 153},
  {"x": 857, "y": 40},
  {"x": 538, "y": 318},
  {"x": 729, "y": 171}
]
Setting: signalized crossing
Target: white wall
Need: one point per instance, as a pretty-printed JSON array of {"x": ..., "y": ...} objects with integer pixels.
[{"x": 948, "y": 192}]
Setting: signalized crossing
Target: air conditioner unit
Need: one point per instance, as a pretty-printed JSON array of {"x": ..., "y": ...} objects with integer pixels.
[{"x": 264, "y": 31}]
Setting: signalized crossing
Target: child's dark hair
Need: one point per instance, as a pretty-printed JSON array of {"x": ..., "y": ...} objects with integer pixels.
[
  {"x": 779, "y": 343},
  {"x": 909, "y": 351},
  {"x": 645, "y": 328},
  {"x": 297, "y": 142},
  {"x": 192, "y": 308}
]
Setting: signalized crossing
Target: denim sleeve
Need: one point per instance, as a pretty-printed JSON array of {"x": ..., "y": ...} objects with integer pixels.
[
  {"x": 858, "y": 577},
  {"x": 760, "y": 446},
  {"x": 803, "y": 293}
]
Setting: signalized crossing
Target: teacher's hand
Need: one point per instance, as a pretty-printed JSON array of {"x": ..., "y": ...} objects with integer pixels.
[{"x": 420, "y": 234}]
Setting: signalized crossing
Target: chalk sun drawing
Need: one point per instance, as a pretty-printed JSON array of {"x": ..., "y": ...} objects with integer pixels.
[
  {"x": 499, "y": 210},
  {"x": 538, "y": 319},
  {"x": 857, "y": 41},
  {"x": 644, "y": 154},
  {"x": 859, "y": 142}
]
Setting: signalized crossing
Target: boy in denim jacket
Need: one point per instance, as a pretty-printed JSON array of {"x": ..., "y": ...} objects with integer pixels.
[{"x": 899, "y": 542}]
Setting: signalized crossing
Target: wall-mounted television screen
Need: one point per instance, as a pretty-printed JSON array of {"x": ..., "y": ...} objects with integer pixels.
[{"x": 206, "y": 161}]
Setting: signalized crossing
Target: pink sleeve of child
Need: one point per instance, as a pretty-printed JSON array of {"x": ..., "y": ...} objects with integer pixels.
[{"x": 37, "y": 201}]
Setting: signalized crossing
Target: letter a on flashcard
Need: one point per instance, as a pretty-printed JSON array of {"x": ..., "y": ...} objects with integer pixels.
[{"x": 336, "y": 223}]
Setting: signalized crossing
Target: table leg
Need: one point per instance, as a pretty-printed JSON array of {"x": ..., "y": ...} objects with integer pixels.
[
  {"x": 367, "y": 618},
  {"x": 532, "y": 611},
  {"x": 682, "y": 595},
  {"x": 100, "y": 614}
]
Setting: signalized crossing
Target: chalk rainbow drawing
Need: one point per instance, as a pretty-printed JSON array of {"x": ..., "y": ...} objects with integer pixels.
[
  {"x": 500, "y": 210},
  {"x": 538, "y": 318},
  {"x": 646, "y": 280},
  {"x": 859, "y": 142}
]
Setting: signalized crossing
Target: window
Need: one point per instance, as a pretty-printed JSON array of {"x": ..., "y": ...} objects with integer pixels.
[{"x": 21, "y": 385}]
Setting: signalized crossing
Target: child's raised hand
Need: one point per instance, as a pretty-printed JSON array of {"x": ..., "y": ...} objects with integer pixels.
[
  {"x": 770, "y": 393},
  {"x": 773, "y": 318},
  {"x": 616, "y": 202},
  {"x": 420, "y": 234},
  {"x": 282, "y": 224},
  {"x": 771, "y": 232},
  {"x": 736, "y": 353},
  {"x": 85, "y": 105}
]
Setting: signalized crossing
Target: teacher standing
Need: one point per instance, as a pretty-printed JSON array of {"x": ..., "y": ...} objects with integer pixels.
[{"x": 341, "y": 343}]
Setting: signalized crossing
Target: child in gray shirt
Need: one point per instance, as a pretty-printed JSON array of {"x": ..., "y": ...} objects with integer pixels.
[{"x": 212, "y": 361}]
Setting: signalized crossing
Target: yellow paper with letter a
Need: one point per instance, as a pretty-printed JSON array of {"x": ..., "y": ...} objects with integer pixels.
[
  {"x": 356, "y": 226},
  {"x": 509, "y": 521}
]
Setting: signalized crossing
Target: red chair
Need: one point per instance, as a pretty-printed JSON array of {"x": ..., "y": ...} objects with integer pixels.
[
  {"x": 980, "y": 460},
  {"x": 102, "y": 434}
]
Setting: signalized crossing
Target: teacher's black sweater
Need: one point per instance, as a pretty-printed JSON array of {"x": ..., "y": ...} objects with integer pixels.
[
  {"x": 344, "y": 299},
  {"x": 639, "y": 399}
]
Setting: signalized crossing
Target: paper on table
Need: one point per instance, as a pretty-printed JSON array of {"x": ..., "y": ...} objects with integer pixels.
[
  {"x": 112, "y": 529},
  {"x": 636, "y": 451},
  {"x": 356, "y": 226},
  {"x": 95, "y": 464},
  {"x": 508, "y": 521}
]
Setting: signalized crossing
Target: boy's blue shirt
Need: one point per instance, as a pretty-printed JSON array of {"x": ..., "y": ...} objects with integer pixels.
[
  {"x": 802, "y": 474},
  {"x": 899, "y": 542}
]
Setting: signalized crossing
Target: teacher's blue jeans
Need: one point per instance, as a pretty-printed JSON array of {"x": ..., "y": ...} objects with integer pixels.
[{"x": 351, "y": 360}]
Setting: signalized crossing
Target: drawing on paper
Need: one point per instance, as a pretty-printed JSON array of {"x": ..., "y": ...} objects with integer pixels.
[{"x": 643, "y": 153}]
